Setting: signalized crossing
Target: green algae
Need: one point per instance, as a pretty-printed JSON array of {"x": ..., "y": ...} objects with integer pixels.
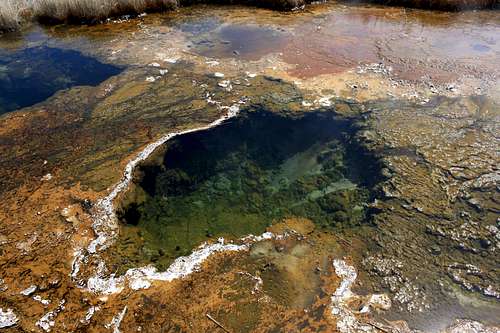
[{"x": 240, "y": 178}]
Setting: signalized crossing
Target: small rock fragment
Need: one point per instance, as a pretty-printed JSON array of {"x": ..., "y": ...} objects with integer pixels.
[
  {"x": 212, "y": 63},
  {"x": 38, "y": 298},
  {"x": 47, "y": 177},
  {"x": 7, "y": 318},
  {"x": 28, "y": 291}
]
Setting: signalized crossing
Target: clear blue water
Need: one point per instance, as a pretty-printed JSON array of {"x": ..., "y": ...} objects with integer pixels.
[{"x": 32, "y": 75}]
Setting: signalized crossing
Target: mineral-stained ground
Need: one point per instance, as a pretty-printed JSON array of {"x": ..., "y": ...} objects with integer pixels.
[{"x": 355, "y": 186}]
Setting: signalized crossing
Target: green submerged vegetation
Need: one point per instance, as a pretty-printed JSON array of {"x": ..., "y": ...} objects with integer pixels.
[{"x": 241, "y": 177}]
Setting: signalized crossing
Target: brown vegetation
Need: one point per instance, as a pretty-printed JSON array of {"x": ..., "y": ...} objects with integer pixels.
[
  {"x": 88, "y": 10},
  {"x": 13, "y": 13},
  {"x": 9, "y": 14}
]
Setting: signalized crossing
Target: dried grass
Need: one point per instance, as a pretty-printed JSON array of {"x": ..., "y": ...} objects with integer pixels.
[
  {"x": 90, "y": 10},
  {"x": 12, "y": 13}
]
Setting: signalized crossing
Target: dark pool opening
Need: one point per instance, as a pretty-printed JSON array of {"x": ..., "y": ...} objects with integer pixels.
[
  {"x": 241, "y": 177},
  {"x": 32, "y": 75}
]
